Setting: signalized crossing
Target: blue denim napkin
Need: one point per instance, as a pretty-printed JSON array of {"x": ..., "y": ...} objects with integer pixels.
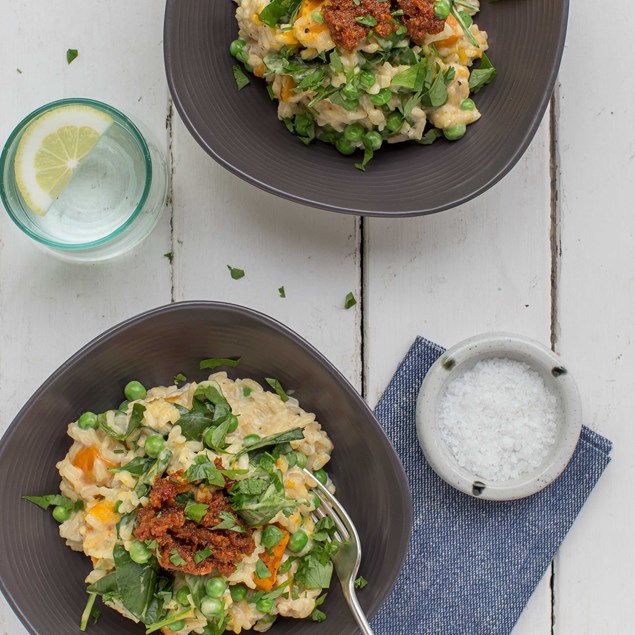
[{"x": 472, "y": 564}]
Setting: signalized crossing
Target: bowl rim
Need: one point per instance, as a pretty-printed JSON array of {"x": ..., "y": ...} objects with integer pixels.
[
  {"x": 462, "y": 356},
  {"x": 170, "y": 18},
  {"x": 399, "y": 474}
]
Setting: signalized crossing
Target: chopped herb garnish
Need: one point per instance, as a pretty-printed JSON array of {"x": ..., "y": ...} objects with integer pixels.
[
  {"x": 246, "y": 391},
  {"x": 317, "y": 615},
  {"x": 229, "y": 523},
  {"x": 262, "y": 570},
  {"x": 56, "y": 500},
  {"x": 215, "y": 362},
  {"x": 280, "y": 12},
  {"x": 138, "y": 466},
  {"x": 19, "y": 70},
  {"x": 169, "y": 256},
  {"x": 282, "y": 293},
  {"x": 277, "y": 386},
  {"x": 360, "y": 582},
  {"x": 367, "y": 20},
  {"x": 71, "y": 54},
  {"x": 196, "y": 511},
  {"x": 201, "y": 555},
  {"x": 175, "y": 558},
  {"x": 482, "y": 75},
  {"x": 179, "y": 378},
  {"x": 350, "y": 300},
  {"x": 241, "y": 79},
  {"x": 88, "y": 611},
  {"x": 236, "y": 273}
]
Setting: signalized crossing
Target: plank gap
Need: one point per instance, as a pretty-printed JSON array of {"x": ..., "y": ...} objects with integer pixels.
[
  {"x": 552, "y": 588},
  {"x": 169, "y": 203},
  {"x": 362, "y": 296},
  {"x": 556, "y": 215}
]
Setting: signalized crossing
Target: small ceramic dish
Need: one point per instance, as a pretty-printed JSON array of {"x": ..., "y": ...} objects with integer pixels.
[{"x": 463, "y": 357}]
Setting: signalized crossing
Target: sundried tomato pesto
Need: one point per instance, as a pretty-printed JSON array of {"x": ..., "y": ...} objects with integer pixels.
[
  {"x": 342, "y": 18},
  {"x": 179, "y": 538}
]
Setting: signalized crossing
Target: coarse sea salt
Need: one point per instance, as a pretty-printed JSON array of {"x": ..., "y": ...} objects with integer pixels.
[{"x": 498, "y": 419}]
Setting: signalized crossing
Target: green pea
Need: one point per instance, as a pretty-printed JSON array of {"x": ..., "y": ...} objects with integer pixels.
[
  {"x": 467, "y": 104},
  {"x": 215, "y": 587},
  {"x": 298, "y": 541},
  {"x": 316, "y": 16},
  {"x": 394, "y": 121},
  {"x": 88, "y": 421},
  {"x": 350, "y": 104},
  {"x": 239, "y": 592},
  {"x": 344, "y": 146},
  {"x": 351, "y": 92},
  {"x": 321, "y": 476},
  {"x": 182, "y": 595},
  {"x": 300, "y": 460},
  {"x": 211, "y": 607},
  {"x": 179, "y": 625},
  {"x": 271, "y": 536},
  {"x": 123, "y": 406},
  {"x": 264, "y": 605},
  {"x": 454, "y": 132},
  {"x": 442, "y": 9},
  {"x": 233, "y": 423},
  {"x": 467, "y": 18},
  {"x": 250, "y": 439},
  {"x": 61, "y": 513},
  {"x": 236, "y": 46},
  {"x": 135, "y": 390},
  {"x": 139, "y": 552},
  {"x": 154, "y": 445},
  {"x": 381, "y": 98},
  {"x": 354, "y": 132},
  {"x": 372, "y": 140},
  {"x": 367, "y": 79}
]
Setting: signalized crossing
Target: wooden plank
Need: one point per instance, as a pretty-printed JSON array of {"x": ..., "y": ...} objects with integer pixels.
[
  {"x": 482, "y": 267},
  {"x": 220, "y": 220},
  {"x": 596, "y": 334},
  {"x": 48, "y": 308}
]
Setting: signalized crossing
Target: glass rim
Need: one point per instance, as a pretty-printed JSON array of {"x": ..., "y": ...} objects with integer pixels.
[{"x": 118, "y": 116}]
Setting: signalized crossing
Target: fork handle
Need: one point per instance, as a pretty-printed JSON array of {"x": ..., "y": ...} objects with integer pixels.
[{"x": 356, "y": 609}]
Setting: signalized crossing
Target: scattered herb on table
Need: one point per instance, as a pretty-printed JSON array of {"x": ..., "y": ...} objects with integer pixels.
[
  {"x": 241, "y": 79},
  {"x": 236, "y": 273},
  {"x": 71, "y": 55},
  {"x": 282, "y": 293},
  {"x": 350, "y": 300},
  {"x": 169, "y": 255}
]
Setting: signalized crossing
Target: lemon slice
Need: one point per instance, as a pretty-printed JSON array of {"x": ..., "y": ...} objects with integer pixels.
[{"x": 51, "y": 149}]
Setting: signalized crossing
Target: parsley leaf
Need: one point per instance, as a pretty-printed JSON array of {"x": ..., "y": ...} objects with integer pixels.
[
  {"x": 204, "y": 470},
  {"x": 282, "y": 293},
  {"x": 179, "y": 378},
  {"x": 54, "y": 499},
  {"x": 240, "y": 78},
  {"x": 360, "y": 582},
  {"x": 350, "y": 300},
  {"x": 169, "y": 255},
  {"x": 277, "y": 386},
  {"x": 215, "y": 362},
  {"x": 229, "y": 523},
  {"x": 196, "y": 511},
  {"x": 262, "y": 571},
  {"x": 317, "y": 615},
  {"x": 136, "y": 417},
  {"x": 431, "y": 136},
  {"x": 136, "y": 467},
  {"x": 280, "y": 12},
  {"x": 236, "y": 273},
  {"x": 367, "y": 20},
  {"x": 71, "y": 54}
]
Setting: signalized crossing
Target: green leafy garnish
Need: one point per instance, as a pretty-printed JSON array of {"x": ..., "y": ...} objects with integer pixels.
[
  {"x": 71, "y": 54},
  {"x": 240, "y": 78},
  {"x": 272, "y": 536},
  {"x": 280, "y": 12},
  {"x": 196, "y": 511},
  {"x": 57, "y": 500},
  {"x": 89, "y": 611},
  {"x": 261, "y": 570},
  {"x": 367, "y": 20},
  {"x": 136, "y": 417},
  {"x": 350, "y": 300},
  {"x": 171, "y": 619},
  {"x": 169, "y": 255},
  {"x": 137, "y": 466},
  {"x": 236, "y": 273},
  {"x": 431, "y": 136},
  {"x": 201, "y": 555},
  {"x": 176, "y": 559},
  {"x": 156, "y": 469},
  {"x": 360, "y": 582},
  {"x": 282, "y": 293},
  {"x": 215, "y": 362},
  {"x": 483, "y": 75},
  {"x": 229, "y": 523},
  {"x": 295, "y": 434},
  {"x": 317, "y": 615},
  {"x": 277, "y": 386},
  {"x": 179, "y": 378},
  {"x": 209, "y": 408}
]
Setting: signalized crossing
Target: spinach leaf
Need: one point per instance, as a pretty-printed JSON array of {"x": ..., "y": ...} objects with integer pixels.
[
  {"x": 55, "y": 499},
  {"x": 136, "y": 584},
  {"x": 204, "y": 470},
  {"x": 136, "y": 417},
  {"x": 295, "y": 434},
  {"x": 106, "y": 587},
  {"x": 215, "y": 362},
  {"x": 482, "y": 75},
  {"x": 413, "y": 78},
  {"x": 437, "y": 94},
  {"x": 146, "y": 480},
  {"x": 193, "y": 422},
  {"x": 280, "y": 12},
  {"x": 431, "y": 136},
  {"x": 136, "y": 466},
  {"x": 239, "y": 77},
  {"x": 258, "y": 510},
  {"x": 277, "y": 386}
]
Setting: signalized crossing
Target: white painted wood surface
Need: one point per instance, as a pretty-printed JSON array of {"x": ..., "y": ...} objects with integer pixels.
[{"x": 485, "y": 266}]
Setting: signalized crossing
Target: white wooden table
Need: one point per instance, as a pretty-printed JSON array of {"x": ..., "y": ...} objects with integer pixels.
[{"x": 548, "y": 252}]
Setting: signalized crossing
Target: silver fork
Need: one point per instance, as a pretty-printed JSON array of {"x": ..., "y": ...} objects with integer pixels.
[{"x": 349, "y": 555}]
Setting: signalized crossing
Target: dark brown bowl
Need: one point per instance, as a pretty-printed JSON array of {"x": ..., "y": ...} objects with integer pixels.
[
  {"x": 242, "y": 132},
  {"x": 43, "y": 580}
]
